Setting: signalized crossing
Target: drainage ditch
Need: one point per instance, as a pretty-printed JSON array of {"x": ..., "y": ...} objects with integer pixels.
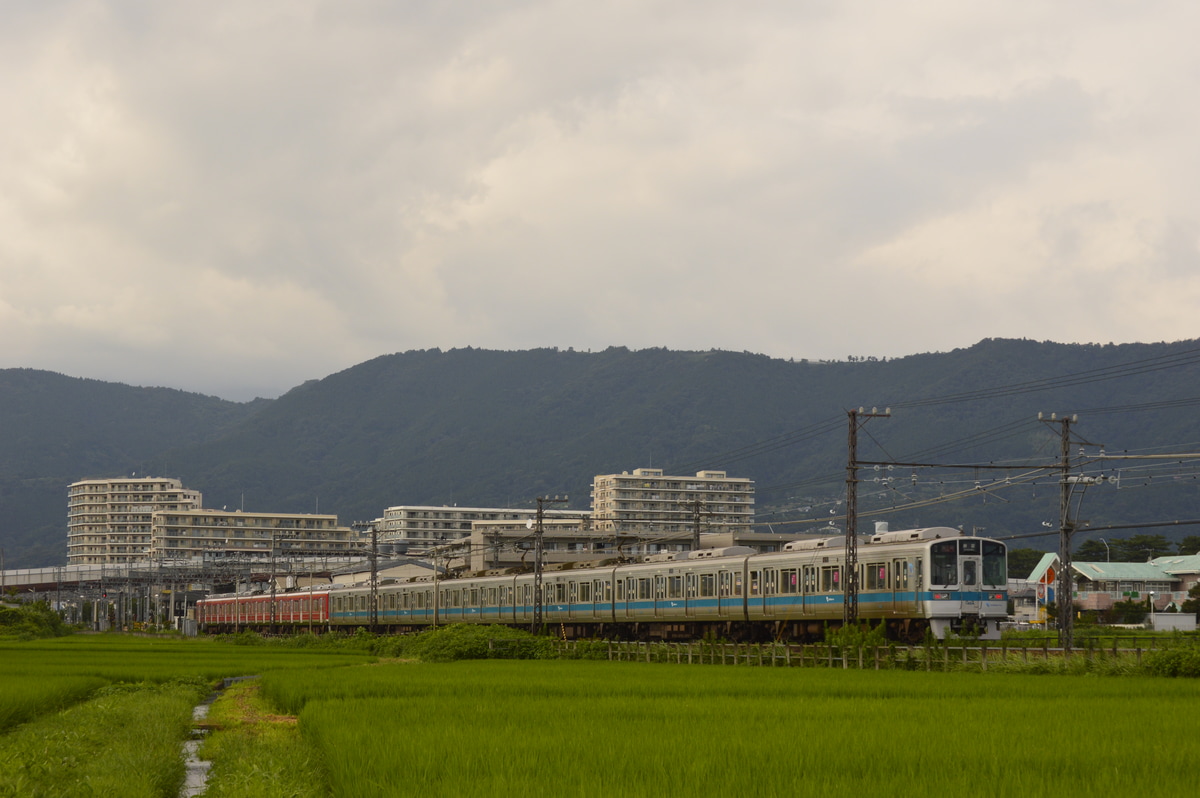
[{"x": 196, "y": 779}]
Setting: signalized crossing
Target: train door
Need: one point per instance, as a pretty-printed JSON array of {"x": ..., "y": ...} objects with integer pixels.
[
  {"x": 971, "y": 569},
  {"x": 770, "y": 586},
  {"x": 904, "y": 597},
  {"x": 808, "y": 586},
  {"x": 725, "y": 600}
]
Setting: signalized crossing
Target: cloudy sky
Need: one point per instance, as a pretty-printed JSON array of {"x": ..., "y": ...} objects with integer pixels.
[{"x": 234, "y": 197}]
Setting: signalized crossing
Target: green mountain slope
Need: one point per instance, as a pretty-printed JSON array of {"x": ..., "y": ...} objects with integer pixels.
[
  {"x": 56, "y": 430},
  {"x": 478, "y": 427}
]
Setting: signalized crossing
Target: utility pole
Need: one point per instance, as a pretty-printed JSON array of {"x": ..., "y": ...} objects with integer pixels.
[
  {"x": 697, "y": 507},
  {"x": 538, "y": 552},
  {"x": 1066, "y": 527},
  {"x": 274, "y": 541},
  {"x": 374, "y": 579},
  {"x": 437, "y": 596},
  {"x": 850, "y": 577}
]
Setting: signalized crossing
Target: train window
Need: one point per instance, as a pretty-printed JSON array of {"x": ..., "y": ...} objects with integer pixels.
[
  {"x": 620, "y": 590},
  {"x": 572, "y": 592},
  {"x": 392, "y": 601},
  {"x": 994, "y": 564},
  {"x": 660, "y": 587},
  {"x": 643, "y": 588},
  {"x": 918, "y": 573},
  {"x": 691, "y": 586},
  {"x": 770, "y": 582},
  {"x": 877, "y": 576},
  {"x": 831, "y": 578},
  {"x": 675, "y": 587},
  {"x": 789, "y": 581},
  {"x": 754, "y": 583},
  {"x": 491, "y": 596},
  {"x": 810, "y": 578},
  {"x": 726, "y": 583},
  {"x": 969, "y": 571},
  {"x": 474, "y": 597},
  {"x": 708, "y": 585},
  {"x": 944, "y": 561},
  {"x": 404, "y": 601},
  {"x": 585, "y": 592},
  {"x": 607, "y": 590},
  {"x": 968, "y": 546},
  {"x": 737, "y": 584},
  {"x": 560, "y": 592}
]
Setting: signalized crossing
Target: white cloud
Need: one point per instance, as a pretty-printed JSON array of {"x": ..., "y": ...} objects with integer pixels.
[{"x": 234, "y": 197}]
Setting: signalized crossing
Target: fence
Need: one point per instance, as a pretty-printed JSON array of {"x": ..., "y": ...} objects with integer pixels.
[{"x": 935, "y": 657}]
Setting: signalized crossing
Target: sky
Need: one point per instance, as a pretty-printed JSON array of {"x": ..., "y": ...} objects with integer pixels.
[{"x": 235, "y": 197}]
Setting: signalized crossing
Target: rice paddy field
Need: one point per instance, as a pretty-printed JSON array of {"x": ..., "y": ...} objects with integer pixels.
[
  {"x": 106, "y": 715},
  {"x": 625, "y": 729},
  {"x": 103, "y": 716}
]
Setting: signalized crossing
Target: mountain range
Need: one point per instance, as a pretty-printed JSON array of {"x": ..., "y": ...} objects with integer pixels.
[{"x": 498, "y": 428}]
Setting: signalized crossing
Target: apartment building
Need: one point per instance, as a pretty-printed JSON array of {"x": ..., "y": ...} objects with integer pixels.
[
  {"x": 109, "y": 520},
  {"x": 221, "y": 534},
  {"x": 648, "y": 502},
  {"x": 415, "y": 528}
]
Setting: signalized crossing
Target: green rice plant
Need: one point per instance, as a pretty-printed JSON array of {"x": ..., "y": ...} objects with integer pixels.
[
  {"x": 604, "y": 729},
  {"x": 119, "y": 658},
  {"x": 123, "y": 743},
  {"x": 24, "y": 697}
]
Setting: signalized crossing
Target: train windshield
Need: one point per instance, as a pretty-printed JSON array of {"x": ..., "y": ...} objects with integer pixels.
[
  {"x": 943, "y": 559},
  {"x": 995, "y": 564}
]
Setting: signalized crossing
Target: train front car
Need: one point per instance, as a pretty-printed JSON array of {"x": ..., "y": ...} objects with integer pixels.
[{"x": 966, "y": 586}]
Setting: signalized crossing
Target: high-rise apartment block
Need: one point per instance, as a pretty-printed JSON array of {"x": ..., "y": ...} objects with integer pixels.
[
  {"x": 139, "y": 520},
  {"x": 109, "y": 520},
  {"x": 649, "y": 502},
  {"x": 415, "y": 528},
  {"x": 222, "y": 534}
]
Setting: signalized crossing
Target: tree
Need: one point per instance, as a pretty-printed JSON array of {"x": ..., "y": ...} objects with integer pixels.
[
  {"x": 1092, "y": 551},
  {"x": 1021, "y": 562},
  {"x": 1190, "y": 545},
  {"x": 1192, "y": 604},
  {"x": 1129, "y": 611},
  {"x": 1143, "y": 548},
  {"x": 1138, "y": 548}
]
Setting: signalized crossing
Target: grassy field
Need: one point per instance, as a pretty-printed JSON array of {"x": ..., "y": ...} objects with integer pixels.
[
  {"x": 104, "y": 715},
  {"x": 605, "y": 729}
]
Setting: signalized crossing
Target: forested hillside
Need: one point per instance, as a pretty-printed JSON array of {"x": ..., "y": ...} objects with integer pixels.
[
  {"x": 472, "y": 426},
  {"x": 55, "y": 430}
]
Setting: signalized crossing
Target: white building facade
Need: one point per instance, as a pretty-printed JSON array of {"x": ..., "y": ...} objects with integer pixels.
[
  {"x": 219, "y": 534},
  {"x": 650, "y": 503},
  {"x": 416, "y": 528},
  {"x": 110, "y": 520}
]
